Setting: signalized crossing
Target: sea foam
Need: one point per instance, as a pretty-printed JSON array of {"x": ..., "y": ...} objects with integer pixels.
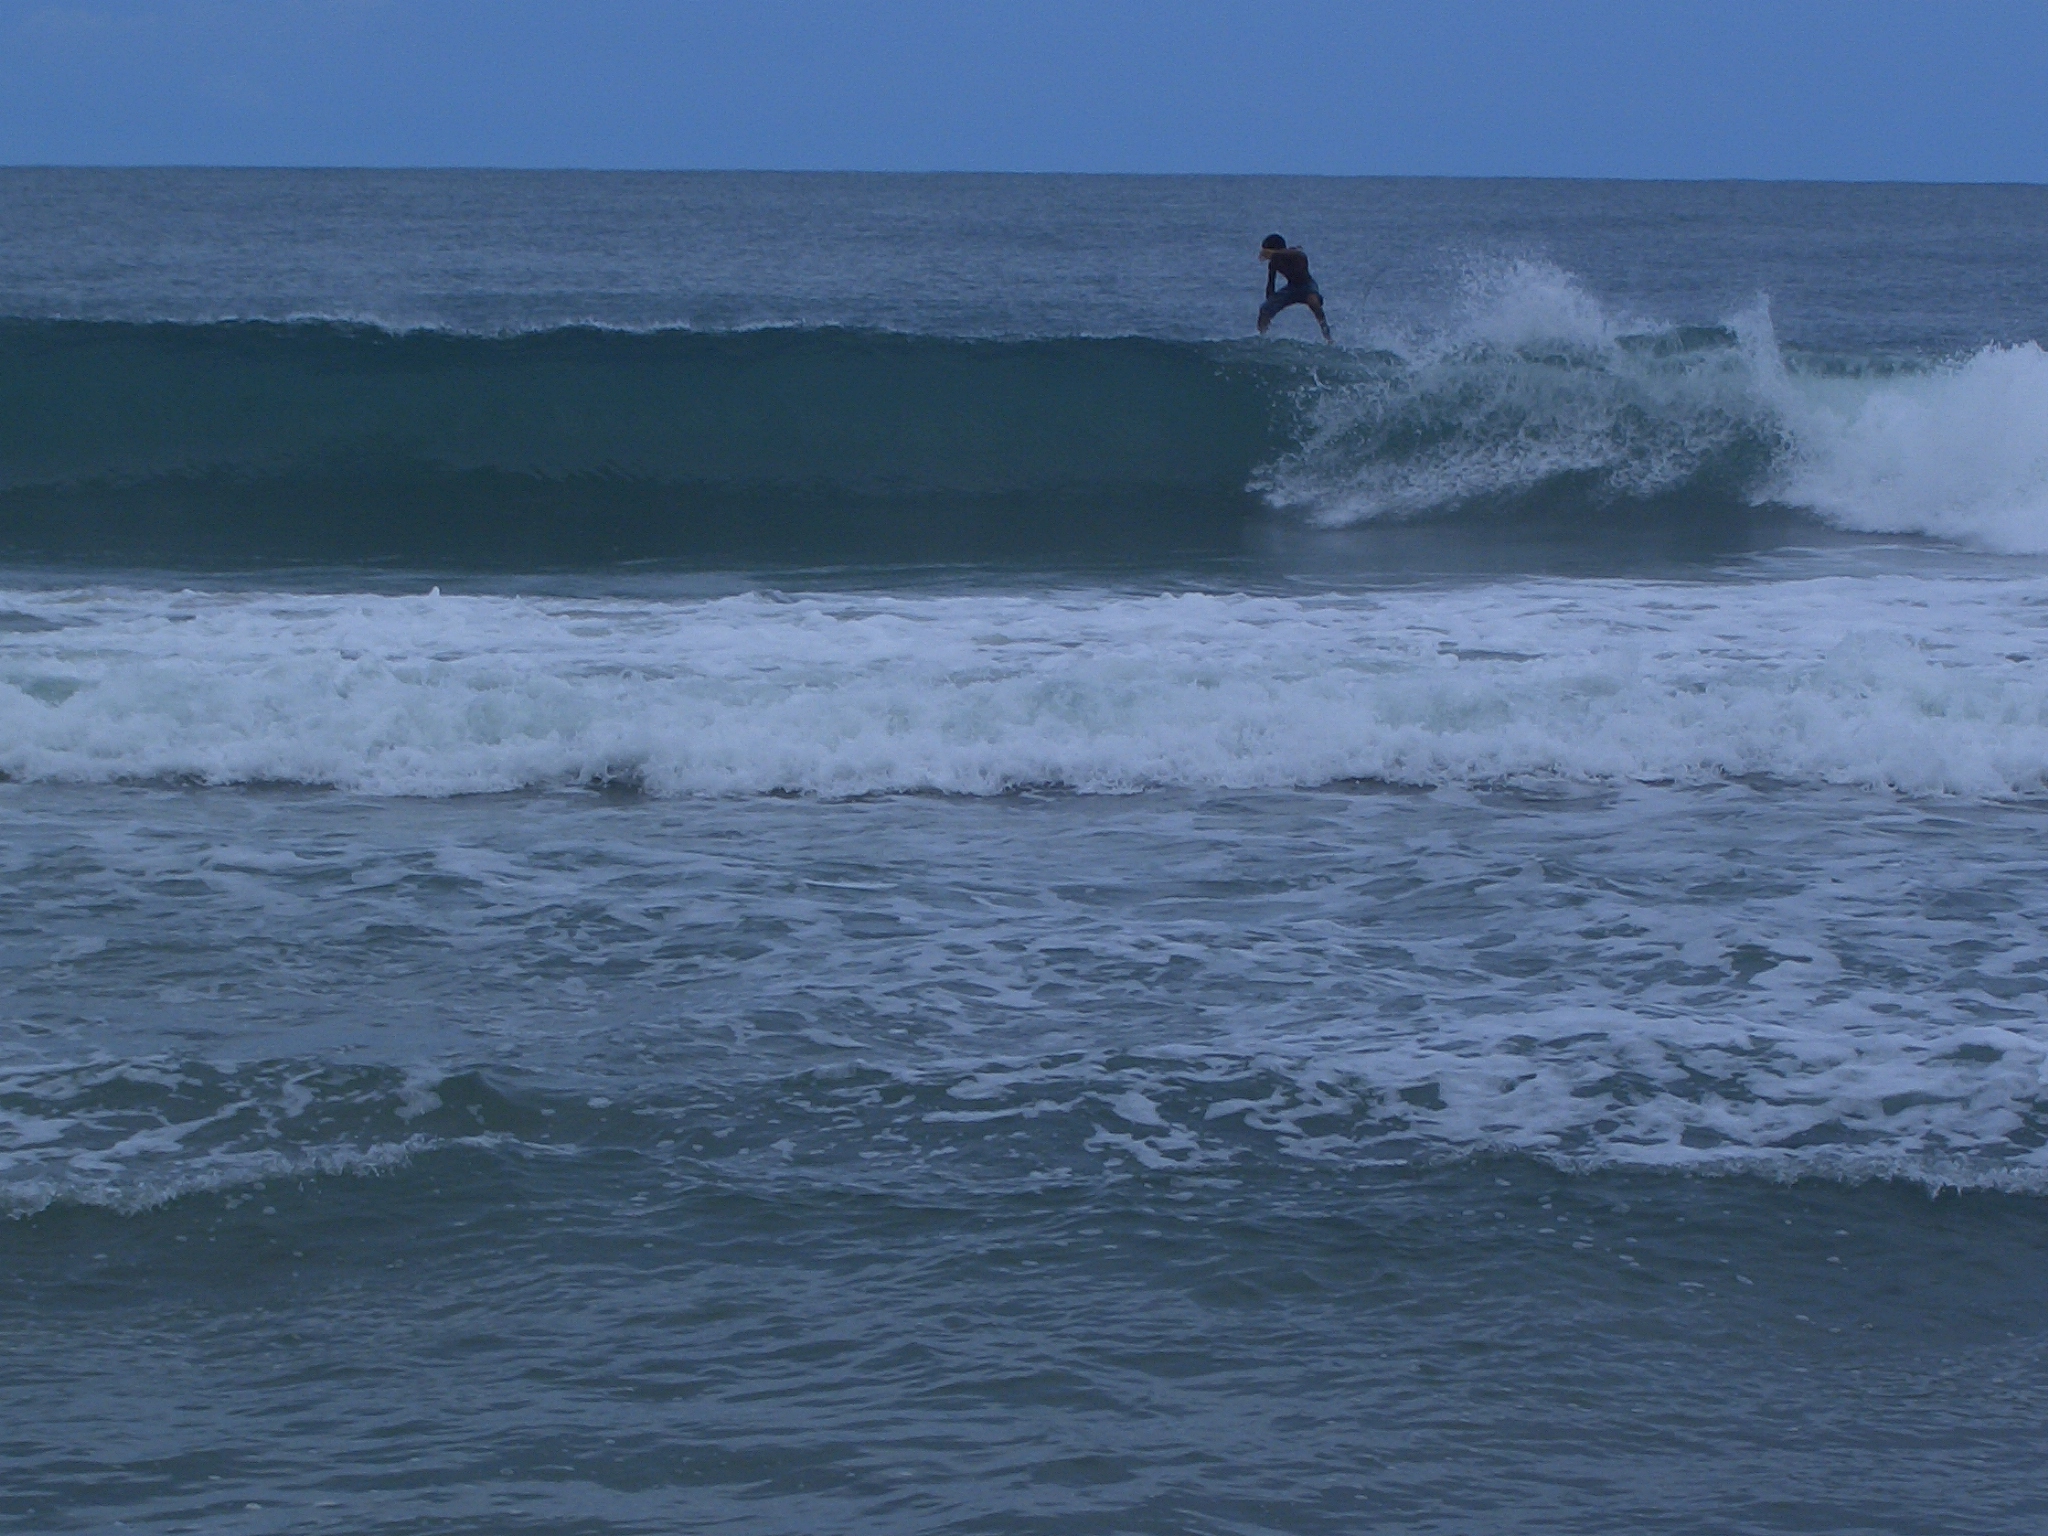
[
  {"x": 1531, "y": 383},
  {"x": 1925, "y": 685},
  {"x": 1960, "y": 453}
]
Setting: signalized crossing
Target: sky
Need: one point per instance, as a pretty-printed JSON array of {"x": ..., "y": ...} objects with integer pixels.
[{"x": 1924, "y": 90}]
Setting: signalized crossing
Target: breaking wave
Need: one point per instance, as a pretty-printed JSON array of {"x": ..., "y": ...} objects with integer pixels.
[
  {"x": 1536, "y": 399},
  {"x": 1924, "y": 684},
  {"x": 1532, "y": 407}
]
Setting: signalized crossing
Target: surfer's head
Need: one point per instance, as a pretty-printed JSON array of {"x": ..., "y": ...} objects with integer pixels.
[{"x": 1273, "y": 243}]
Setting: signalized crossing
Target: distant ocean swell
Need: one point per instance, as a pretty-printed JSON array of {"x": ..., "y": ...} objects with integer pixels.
[{"x": 1532, "y": 410}]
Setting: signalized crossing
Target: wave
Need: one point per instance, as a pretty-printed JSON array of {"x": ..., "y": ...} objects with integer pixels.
[
  {"x": 1958, "y": 453},
  {"x": 1530, "y": 410},
  {"x": 256, "y": 441},
  {"x": 1923, "y": 684},
  {"x": 1586, "y": 1092},
  {"x": 1535, "y": 400},
  {"x": 133, "y": 1135}
]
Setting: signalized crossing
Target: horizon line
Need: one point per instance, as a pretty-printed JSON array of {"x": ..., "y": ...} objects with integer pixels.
[{"x": 616, "y": 170}]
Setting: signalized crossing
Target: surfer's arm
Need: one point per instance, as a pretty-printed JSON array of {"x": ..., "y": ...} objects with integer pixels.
[{"x": 1270, "y": 275}]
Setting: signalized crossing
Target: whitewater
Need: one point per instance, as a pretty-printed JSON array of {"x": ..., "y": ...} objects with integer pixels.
[
  {"x": 954, "y": 895},
  {"x": 1924, "y": 686}
]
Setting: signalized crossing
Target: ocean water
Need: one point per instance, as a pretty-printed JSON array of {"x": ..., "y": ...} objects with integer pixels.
[{"x": 812, "y": 853}]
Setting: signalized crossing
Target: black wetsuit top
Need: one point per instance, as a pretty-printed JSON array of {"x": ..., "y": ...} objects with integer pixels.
[{"x": 1289, "y": 264}]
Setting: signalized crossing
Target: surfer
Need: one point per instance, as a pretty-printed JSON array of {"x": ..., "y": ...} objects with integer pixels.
[{"x": 1290, "y": 262}]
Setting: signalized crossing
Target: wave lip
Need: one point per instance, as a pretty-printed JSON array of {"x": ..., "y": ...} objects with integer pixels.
[{"x": 1920, "y": 685}]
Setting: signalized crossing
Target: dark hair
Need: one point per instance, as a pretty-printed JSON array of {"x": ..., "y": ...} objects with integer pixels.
[{"x": 1273, "y": 243}]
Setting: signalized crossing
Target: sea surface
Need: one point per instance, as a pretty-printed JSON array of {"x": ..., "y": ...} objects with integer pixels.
[{"x": 793, "y": 854}]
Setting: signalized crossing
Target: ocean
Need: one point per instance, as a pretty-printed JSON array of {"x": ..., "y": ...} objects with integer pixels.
[{"x": 807, "y": 853}]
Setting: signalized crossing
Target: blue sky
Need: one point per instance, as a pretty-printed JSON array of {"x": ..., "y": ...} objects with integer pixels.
[{"x": 1939, "y": 90}]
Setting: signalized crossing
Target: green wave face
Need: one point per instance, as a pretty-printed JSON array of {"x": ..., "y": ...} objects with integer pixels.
[
  {"x": 250, "y": 443},
  {"x": 259, "y": 441}
]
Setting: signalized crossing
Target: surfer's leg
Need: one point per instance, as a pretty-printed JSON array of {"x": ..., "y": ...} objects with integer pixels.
[{"x": 1315, "y": 307}]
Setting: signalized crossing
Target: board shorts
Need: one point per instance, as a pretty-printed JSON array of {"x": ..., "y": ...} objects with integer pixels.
[{"x": 1293, "y": 293}]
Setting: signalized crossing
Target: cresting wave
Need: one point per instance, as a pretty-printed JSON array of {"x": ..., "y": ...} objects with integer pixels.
[
  {"x": 1530, "y": 408},
  {"x": 1924, "y": 684},
  {"x": 1535, "y": 401}
]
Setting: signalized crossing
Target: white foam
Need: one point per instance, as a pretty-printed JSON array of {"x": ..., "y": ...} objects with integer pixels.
[
  {"x": 1960, "y": 453},
  {"x": 1928, "y": 685},
  {"x": 132, "y": 1135},
  {"x": 1841, "y": 1093},
  {"x": 1531, "y": 378}
]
